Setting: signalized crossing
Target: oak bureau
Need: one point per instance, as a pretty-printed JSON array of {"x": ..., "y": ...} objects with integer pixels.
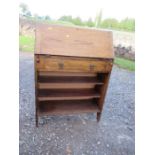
[{"x": 72, "y": 69}]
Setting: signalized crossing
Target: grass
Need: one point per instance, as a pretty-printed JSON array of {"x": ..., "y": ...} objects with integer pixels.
[
  {"x": 124, "y": 63},
  {"x": 26, "y": 43}
]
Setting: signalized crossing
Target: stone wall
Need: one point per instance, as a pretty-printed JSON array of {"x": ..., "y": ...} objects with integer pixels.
[{"x": 125, "y": 52}]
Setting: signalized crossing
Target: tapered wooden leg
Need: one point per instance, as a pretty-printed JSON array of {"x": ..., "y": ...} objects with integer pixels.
[
  {"x": 36, "y": 94},
  {"x": 98, "y": 116},
  {"x": 103, "y": 91},
  {"x": 36, "y": 120},
  {"x": 36, "y": 113}
]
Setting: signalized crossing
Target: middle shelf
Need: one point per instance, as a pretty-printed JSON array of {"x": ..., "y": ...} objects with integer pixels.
[{"x": 66, "y": 94}]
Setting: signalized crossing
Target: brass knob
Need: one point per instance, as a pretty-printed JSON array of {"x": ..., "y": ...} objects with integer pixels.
[
  {"x": 61, "y": 65},
  {"x": 91, "y": 67}
]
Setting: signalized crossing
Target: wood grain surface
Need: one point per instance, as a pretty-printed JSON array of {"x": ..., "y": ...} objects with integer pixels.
[
  {"x": 73, "y": 41},
  {"x": 72, "y": 64}
]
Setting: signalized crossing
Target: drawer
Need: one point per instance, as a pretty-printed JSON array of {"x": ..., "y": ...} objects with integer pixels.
[{"x": 71, "y": 64}]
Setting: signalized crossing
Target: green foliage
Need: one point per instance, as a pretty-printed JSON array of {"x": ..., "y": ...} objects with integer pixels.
[
  {"x": 90, "y": 23},
  {"x": 109, "y": 23},
  {"x": 124, "y": 63},
  {"x": 66, "y": 18},
  {"x": 76, "y": 21},
  {"x": 126, "y": 24}
]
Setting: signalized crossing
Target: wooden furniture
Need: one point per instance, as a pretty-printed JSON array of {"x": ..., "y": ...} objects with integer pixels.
[{"x": 72, "y": 69}]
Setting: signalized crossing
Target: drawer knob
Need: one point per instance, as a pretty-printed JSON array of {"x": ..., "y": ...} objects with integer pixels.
[
  {"x": 91, "y": 67},
  {"x": 61, "y": 66}
]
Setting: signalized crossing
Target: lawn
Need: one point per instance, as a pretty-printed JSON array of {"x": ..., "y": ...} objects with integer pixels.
[
  {"x": 26, "y": 44},
  {"x": 124, "y": 63}
]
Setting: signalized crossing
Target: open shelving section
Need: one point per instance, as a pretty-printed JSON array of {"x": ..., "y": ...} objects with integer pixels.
[{"x": 66, "y": 93}]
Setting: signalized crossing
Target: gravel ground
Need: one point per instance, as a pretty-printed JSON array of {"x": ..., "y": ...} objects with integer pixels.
[{"x": 79, "y": 134}]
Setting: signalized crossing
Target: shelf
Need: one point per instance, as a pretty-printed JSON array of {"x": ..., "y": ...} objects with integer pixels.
[
  {"x": 67, "y": 98},
  {"x": 67, "y": 107},
  {"x": 58, "y": 80},
  {"x": 66, "y": 94},
  {"x": 68, "y": 79},
  {"x": 66, "y": 85}
]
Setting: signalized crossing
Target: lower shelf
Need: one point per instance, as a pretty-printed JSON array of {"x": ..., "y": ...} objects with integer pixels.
[
  {"x": 67, "y": 107},
  {"x": 66, "y": 94}
]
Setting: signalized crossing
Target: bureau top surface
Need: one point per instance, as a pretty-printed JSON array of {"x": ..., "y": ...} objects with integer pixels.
[{"x": 73, "y": 41}]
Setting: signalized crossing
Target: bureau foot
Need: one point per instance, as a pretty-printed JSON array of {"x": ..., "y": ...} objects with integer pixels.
[
  {"x": 98, "y": 116},
  {"x": 36, "y": 121}
]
